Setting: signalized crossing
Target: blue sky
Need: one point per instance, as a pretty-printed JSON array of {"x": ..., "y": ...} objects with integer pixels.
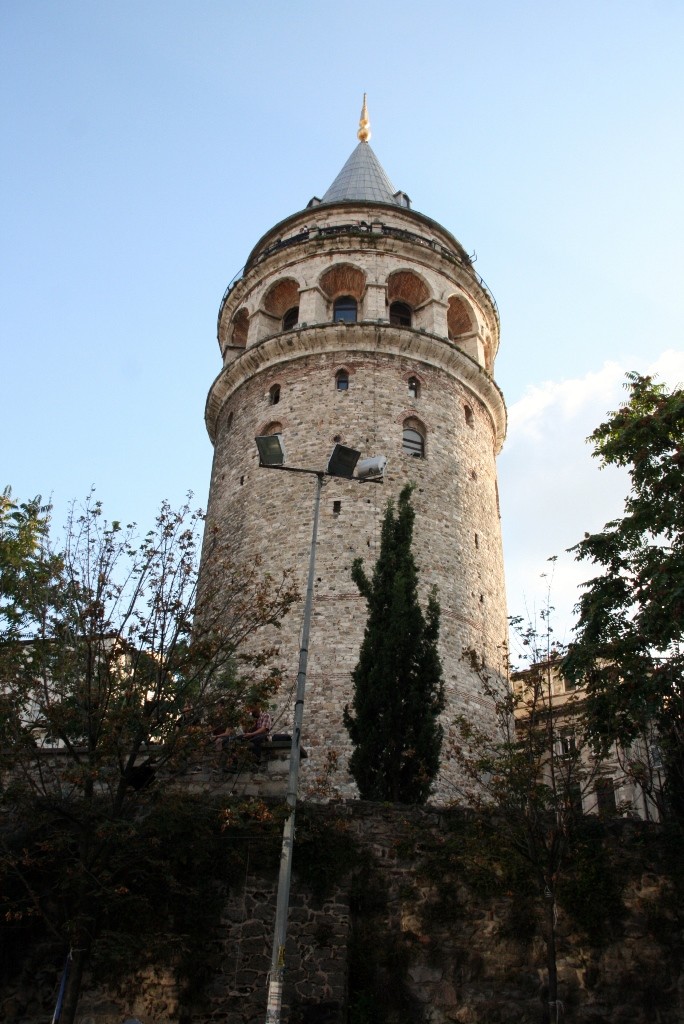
[{"x": 149, "y": 143}]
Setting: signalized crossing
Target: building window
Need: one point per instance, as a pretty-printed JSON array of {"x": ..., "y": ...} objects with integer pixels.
[
  {"x": 344, "y": 310},
  {"x": 567, "y": 744},
  {"x": 342, "y": 380},
  {"x": 400, "y": 314},
  {"x": 469, "y": 418},
  {"x": 291, "y": 318},
  {"x": 573, "y": 797},
  {"x": 605, "y": 798},
  {"x": 274, "y": 395},
  {"x": 413, "y": 387},
  {"x": 337, "y": 508},
  {"x": 413, "y": 442}
]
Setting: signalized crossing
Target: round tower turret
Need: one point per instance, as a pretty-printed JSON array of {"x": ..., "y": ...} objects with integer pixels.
[{"x": 359, "y": 320}]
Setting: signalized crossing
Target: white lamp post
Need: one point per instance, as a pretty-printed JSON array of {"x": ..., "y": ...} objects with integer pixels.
[{"x": 342, "y": 463}]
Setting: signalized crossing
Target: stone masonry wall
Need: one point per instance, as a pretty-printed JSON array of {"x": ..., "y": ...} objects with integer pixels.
[
  {"x": 404, "y": 938},
  {"x": 457, "y": 539},
  {"x": 380, "y": 253}
]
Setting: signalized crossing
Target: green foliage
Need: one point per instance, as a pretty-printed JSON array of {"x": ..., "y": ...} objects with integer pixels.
[
  {"x": 530, "y": 778},
  {"x": 23, "y": 528},
  {"x": 114, "y": 667},
  {"x": 117, "y": 650},
  {"x": 159, "y": 897},
  {"x": 325, "y": 851},
  {"x": 629, "y": 647},
  {"x": 398, "y": 687}
]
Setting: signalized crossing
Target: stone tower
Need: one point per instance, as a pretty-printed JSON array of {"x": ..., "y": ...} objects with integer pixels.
[{"x": 359, "y": 320}]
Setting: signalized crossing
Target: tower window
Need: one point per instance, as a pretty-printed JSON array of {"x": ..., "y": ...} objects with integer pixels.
[
  {"x": 342, "y": 380},
  {"x": 291, "y": 318},
  {"x": 413, "y": 387},
  {"x": 400, "y": 314},
  {"x": 469, "y": 417},
  {"x": 274, "y": 395},
  {"x": 337, "y": 508},
  {"x": 344, "y": 310},
  {"x": 413, "y": 443}
]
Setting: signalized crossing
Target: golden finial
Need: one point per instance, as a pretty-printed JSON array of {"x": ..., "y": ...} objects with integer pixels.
[{"x": 364, "y": 132}]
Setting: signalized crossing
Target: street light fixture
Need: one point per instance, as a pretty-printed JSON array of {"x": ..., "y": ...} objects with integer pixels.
[
  {"x": 271, "y": 450},
  {"x": 342, "y": 463}
]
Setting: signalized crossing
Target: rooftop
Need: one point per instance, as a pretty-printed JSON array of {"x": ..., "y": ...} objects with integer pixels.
[{"x": 362, "y": 177}]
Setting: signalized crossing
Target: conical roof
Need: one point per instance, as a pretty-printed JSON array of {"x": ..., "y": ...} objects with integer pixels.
[{"x": 361, "y": 178}]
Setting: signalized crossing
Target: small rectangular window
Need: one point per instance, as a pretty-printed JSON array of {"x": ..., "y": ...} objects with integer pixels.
[{"x": 337, "y": 508}]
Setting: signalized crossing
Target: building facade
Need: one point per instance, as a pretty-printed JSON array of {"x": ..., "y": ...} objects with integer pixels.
[
  {"x": 620, "y": 781},
  {"x": 359, "y": 320}
]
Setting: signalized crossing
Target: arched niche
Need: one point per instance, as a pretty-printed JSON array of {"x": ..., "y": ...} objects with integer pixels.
[
  {"x": 406, "y": 287},
  {"x": 343, "y": 279},
  {"x": 239, "y": 328},
  {"x": 281, "y": 297},
  {"x": 460, "y": 319}
]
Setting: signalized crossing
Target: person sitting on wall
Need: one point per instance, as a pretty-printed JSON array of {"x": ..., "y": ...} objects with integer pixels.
[
  {"x": 257, "y": 728},
  {"x": 261, "y": 725}
]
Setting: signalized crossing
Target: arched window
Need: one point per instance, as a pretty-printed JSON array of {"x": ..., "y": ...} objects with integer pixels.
[
  {"x": 344, "y": 309},
  {"x": 291, "y": 318},
  {"x": 274, "y": 395},
  {"x": 414, "y": 442},
  {"x": 400, "y": 314},
  {"x": 413, "y": 387},
  {"x": 342, "y": 380}
]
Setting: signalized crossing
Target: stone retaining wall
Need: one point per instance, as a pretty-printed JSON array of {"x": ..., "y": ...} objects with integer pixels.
[{"x": 404, "y": 935}]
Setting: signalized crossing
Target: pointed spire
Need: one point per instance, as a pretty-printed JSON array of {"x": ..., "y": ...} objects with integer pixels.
[
  {"x": 362, "y": 178},
  {"x": 364, "y": 132}
]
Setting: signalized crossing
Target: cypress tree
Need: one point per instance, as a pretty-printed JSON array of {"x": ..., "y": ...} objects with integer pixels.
[{"x": 398, "y": 688}]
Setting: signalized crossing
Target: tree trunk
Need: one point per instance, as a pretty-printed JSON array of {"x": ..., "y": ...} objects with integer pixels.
[
  {"x": 550, "y": 937},
  {"x": 72, "y": 991}
]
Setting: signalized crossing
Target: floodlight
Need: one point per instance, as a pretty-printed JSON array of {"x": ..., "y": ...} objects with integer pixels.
[
  {"x": 271, "y": 450},
  {"x": 343, "y": 461},
  {"x": 371, "y": 469}
]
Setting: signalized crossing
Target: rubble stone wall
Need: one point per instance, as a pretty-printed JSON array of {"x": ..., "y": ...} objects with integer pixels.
[{"x": 421, "y": 943}]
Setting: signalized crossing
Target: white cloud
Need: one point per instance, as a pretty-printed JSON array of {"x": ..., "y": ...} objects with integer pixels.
[
  {"x": 552, "y": 490},
  {"x": 555, "y": 403}
]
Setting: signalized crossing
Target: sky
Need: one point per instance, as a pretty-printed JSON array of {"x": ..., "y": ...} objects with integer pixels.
[{"x": 148, "y": 144}]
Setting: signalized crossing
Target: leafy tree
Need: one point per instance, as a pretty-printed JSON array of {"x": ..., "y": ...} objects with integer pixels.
[
  {"x": 529, "y": 779},
  {"x": 398, "y": 688},
  {"x": 111, "y": 664},
  {"x": 23, "y": 528},
  {"x": 629, "y": 646}
]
